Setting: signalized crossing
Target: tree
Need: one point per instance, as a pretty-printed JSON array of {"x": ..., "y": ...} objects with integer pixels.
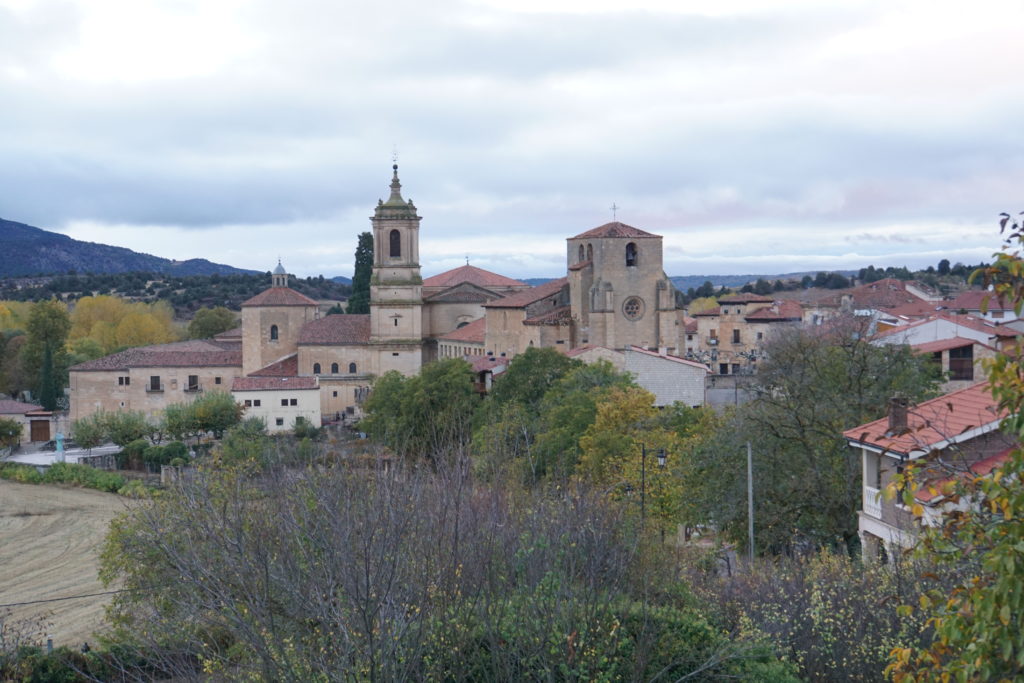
[
  {"x": 47, "y": 331},
  {"x": 359, "y": 301},
  {"x": 90, "y": 431},
  {"x": 10, "y": 432},
  {"x": 215, "y": 412},
  {"x": 209, "y": 322},
  {"x": 977, "y": 624},
  {"x": 762, "y": 287},
  {"x": 126, "y": 426},
  {"x": 943, "y": 268},
  {"x": 47, "y": 387},
  {"x": 813, "y": 384}
]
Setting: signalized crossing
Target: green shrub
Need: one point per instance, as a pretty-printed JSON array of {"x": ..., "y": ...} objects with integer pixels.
[
  {"x": 84, "y": 476},
  {"x": 134, "y": 489},
  {"x": 24, "y": 474},
  {"x": 176, "y": 449}
]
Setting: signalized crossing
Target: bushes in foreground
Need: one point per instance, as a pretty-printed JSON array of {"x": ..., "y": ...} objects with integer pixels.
[{"x": 65, "y": 473}]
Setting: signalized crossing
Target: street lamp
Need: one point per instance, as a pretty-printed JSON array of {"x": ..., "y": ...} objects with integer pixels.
[{"x": 662, "y": 457}]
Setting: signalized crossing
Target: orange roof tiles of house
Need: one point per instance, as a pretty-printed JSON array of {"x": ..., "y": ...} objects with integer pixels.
[
  {"x": 193, "y": 353},
  {"x": 286, "y": 367},
  {"x": 717, "y": 310},
  {"x": 9, "y": 407},
  {"x": 529, "y": 296},
  {"x": 280, "y": 296},
  {"x": 472, "y": 275},
  {"x": 934, "y": 424},
  {"x": 973, "y": 299},
  {"x": 471, "y": 332},
  {"x": 614, "y": 229},
  {"x": 336, "y": 329},
  {"x": 944, "y": 344},
  {"x": 933, "y": 490},
  {"x": 781, "y": 310},
  {"x": 745, "y": 298},
  {"x": 481, "y": 363},
  {"x": 556, "y": 316},
  {"x": 915, "y": 309},
  {"x": 690, "y": 324},
  {"x": 273, "y": 383}
]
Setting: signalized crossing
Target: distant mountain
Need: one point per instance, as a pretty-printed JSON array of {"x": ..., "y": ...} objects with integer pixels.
[
  {"x": 25, "y": 250},
  {"x": 684, "y": 282},
  {"x": 342, "y": 280}
]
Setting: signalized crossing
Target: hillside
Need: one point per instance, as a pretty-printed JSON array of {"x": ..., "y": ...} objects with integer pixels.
[{"x": 32, "y": 251}]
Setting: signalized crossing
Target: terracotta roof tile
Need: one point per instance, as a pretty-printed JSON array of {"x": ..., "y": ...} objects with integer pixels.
[
  {"x": 193, "y": 353},
  {"x": 581, "y": 265},
  {"x": 481, "y": 363},
  {"x": 472, "y": 275},
  {"x": 525, "y": 298},
  {"x": 934, "y": 423},
  {"x": 230, "y": 335},
  {"x": 9, "y": 407},
  {"x": 280, "y": 296},
  {"x": 614, "y": 229},
  {"x": 556, "y": 316},
  {"x": 944, "y": 344},
  {"x": 780, "y": 310},
  {"x": 979, "y": 469},
  {"x": 972, "y": 300},
  {"x": 273, "y": 383},
  {"x": 717, "y": 310},
  {"x": 473, "y": 332},
  {"x": 286, "y": 367},
  {"x": 336, "y": 329}
]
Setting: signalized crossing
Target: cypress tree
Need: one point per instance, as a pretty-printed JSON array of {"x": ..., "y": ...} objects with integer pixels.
[{"x": 359, "y": 302}]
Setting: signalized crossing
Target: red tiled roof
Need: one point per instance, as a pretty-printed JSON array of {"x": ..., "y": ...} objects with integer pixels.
[
  {"x": 286, "y": 367},
  {"x": 193, "y": 353},
  {"x": 944, "y": 344},
  {"x": 280, "y": 296},
  {"x": 717, "y": 310},
  {"x": 972, "y": 300},
  {"x": 614, "y": 229},
  {"x": 230, "y": 335},
  {"x": 481, "y": 363},
  {"x": 690, "y": 324},
  {"x": 473, "y": 332},
  {"x": 9, "y": 407},
  {"x": 273, "y": 383},
  {"x": 780, "y": 310},
  {"x": 472, "y": 275},
  {"x": 529, "y": 296},
  {"x": 674, "y": 359},
  {"x": 915, "y": 309},
  {"x": 745, "y": 298},
  {"x": 336, "y": 329},
  {"x": 934, "y": 423},
  {"x": 932, "y": 491},
  {"x": 556, "y": 316}
]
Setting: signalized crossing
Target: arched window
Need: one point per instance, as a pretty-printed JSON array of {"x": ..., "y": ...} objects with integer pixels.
[
  {"x": 273, "y": 333},
  {"x": 316, "y": 368},
  {"x": 631, "y": 254},
  {"x": 395, "y": 240},
  {"x": 590, "y": 252},
  {"x": 334, "y": 368},
  {"x": 352, "y": 368},
  {"x": 581, "y": 253}
]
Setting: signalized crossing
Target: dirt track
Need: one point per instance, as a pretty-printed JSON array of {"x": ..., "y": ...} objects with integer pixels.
[{"x": 50, "y": 538}]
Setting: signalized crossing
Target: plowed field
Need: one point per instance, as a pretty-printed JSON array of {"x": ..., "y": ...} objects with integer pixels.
[{"x": 50, "y": 539}]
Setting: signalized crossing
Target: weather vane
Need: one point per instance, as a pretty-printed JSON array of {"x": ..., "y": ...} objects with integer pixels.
[
  {"x": 614, "y": 209},
  {"x": 467, "y": 259},
  {"x": 394, "y": 154}
]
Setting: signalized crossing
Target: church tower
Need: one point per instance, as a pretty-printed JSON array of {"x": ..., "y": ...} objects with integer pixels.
[{"x": 396, "y": 299}]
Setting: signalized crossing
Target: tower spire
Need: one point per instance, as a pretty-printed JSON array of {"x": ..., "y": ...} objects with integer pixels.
[{"x": 396, "y": 186}]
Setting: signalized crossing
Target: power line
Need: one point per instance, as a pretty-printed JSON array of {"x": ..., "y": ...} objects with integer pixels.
[{"x": 73, "y": 597}]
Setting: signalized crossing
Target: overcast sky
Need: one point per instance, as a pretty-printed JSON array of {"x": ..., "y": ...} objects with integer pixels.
[{"x": 755, "y": 136}]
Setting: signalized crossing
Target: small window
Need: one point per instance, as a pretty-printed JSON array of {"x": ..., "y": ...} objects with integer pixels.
[
  {"x": 352, "y": 368},
  {"x": 760, "y": 336},
  {"x": 316, "y": 368},
  {"x": 284, "y": 402},
  {"x": 723, "y": 368},
  {"x": 395, "y": 244},
  {"x": 581, "y": 253},
  {"x": 735, "y": 336},
  {"x": 216, "y": 380},
  {"x": 394, "y": 353},
  {"x": 248, "y": 403},
  {"x": 256, "y": 402},
  {"x": 193, "y": 383},
  {"x": 279, "y": 421},
  {"x": 590, "y": 252},
  {"x": 334, "y": 368},
  {"x": 334, "y": 394},
  {"x": 396, "y": 322},
  {"x": 631, "y": 254},
  {"x": 273, "y": 333},
  {"x": 154, "y": 383},
  {"x": 294, "y": 402}
]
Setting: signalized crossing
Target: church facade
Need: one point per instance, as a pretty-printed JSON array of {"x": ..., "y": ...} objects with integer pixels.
[{"x": 615, "y": 295}]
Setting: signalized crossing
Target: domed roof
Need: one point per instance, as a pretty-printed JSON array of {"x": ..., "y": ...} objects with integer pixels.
[{"x": 280, "y": 269}]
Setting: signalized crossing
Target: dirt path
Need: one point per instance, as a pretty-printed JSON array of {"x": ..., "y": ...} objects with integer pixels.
[{"x": 50, "y": 538}]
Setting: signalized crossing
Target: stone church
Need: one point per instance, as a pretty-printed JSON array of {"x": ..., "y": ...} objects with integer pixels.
[{"x": 288, "y": 361}]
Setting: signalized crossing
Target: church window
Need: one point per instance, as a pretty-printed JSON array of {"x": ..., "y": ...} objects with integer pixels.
[
  {"x": 352, "y": 368},
  {"x": 633, "y": 308},
  {"x": 590, "y": 252},
  {"x": 273, "y": 333},
  {"x": 631, "y": 254},
  {"x": 334, "y": 368},
  {"x": 395, "y": 244},
  {"x": 581, "y": 253},
  {"x": 316, "y": 368}
]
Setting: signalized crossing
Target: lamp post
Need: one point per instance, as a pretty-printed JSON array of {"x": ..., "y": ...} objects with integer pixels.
[{"x": 662, "y": 456}]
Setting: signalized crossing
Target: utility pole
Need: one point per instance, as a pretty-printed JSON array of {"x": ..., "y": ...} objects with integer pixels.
[
  {"x": 643, "y": 483},
  {"x": 750, "y": 502}
]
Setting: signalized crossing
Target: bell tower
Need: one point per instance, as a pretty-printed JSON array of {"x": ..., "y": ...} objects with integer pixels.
[{"x": 396, "y": 300}]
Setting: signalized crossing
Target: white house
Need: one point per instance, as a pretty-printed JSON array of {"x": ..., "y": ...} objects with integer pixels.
[
  {"x": 282, "y": 402},
  {"x": 669, "y": 378}
]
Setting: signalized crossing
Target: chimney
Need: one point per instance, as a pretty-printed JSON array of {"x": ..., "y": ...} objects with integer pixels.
[{"x": 898, "y": 406}]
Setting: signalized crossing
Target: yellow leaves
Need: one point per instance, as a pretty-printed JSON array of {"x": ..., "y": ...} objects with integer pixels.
[
  {"x": 116, "y": 323},
  {"x": 917, "y": 510}
]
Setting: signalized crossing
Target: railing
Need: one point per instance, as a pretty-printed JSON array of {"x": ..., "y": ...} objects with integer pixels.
[
  {"x": 193, "y": 389},
  {"x": 150, "y": 389},
  {"x": 872, "y": 502},
  {"x": 713, "y": 341}
]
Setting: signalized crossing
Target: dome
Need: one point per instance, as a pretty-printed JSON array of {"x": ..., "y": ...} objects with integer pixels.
[{"x": 280, "y": 269}]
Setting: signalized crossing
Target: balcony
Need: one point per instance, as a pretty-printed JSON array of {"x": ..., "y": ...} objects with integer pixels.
[
  {"x": 713, "y": 341},
  {"x": 193, "y": 389},
  {"x": 157, "y": 389},
  {"x": 872, "y": 502}
]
